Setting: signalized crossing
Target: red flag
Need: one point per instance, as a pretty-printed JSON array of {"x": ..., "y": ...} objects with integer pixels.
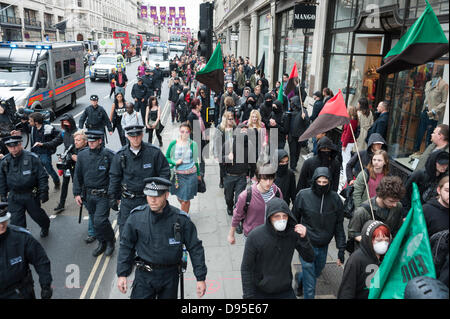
[
  {"x": 289, "y": 91},
  {"x": 334, "y": 113}
]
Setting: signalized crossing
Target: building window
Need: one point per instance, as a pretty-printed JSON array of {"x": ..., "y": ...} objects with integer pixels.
[
  {"x": 264, "y": 21},
  {"x": 80, "y": 3}
]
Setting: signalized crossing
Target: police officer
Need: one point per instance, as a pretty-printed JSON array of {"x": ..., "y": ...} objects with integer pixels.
[
  {"x": 24, "y": 177},
  {"x": 95, "y": 117},
  {"x": 90, "y": 184},
  {"x": 131, "y": 164},
  {"x": 18, "y": 249},
  {"x": 158, "y": 78},
  {"x": 148, "y": 82},
  {"x": 140, "y": 94},
  {"x": 154, "y": 236}
]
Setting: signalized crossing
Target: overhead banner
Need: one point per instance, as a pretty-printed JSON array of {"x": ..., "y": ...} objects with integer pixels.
[
  {"x": 304, "y": 16},
  {"x": 143, "y": 12},
  {"x": 177, "y": 21},
  {"x": 172, "y": 12},
  {"x": 182, "y": 12},
  {"x": 183, "y": 21},
  {"x": 155, "y": 21},
  {"x": 169, "y": 20},
  {"x": 163, "y": 21},
  {"x": 162, "y": 12},
  {"x": 153, "y": 13},
  {"x": 169, "y": 29}
]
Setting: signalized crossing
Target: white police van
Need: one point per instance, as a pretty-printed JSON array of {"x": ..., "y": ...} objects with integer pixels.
[{"x": 42, "y": 75}]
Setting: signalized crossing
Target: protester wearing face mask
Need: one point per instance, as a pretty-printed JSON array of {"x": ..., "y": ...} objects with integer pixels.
[
  {"x": 285, "y": 177},
  {"x": 248, "y": 107},
  {"x": 360, "y": 267},
  {"x": 327, "y": 156},
  {"x": 321, "y": 210},
  {"x": 266, "y": 264}
]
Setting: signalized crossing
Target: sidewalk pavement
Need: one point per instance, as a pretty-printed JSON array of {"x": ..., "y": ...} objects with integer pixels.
[{"x": 208, "y": 212}]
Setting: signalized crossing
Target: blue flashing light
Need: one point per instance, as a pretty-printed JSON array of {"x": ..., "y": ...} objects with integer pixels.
[
  {"x": 13, "y": 46},
  {"x": 38, "y": 47}
]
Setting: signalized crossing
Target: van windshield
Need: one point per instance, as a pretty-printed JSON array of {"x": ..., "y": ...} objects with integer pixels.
[
  {"x": 106, "y": 60},
  {"x": 15, "y": 77},
  {"x": 156, "y": 57}
]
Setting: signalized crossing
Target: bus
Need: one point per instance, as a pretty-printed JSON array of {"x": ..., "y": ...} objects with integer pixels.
[{"x": 129, "y": 40}]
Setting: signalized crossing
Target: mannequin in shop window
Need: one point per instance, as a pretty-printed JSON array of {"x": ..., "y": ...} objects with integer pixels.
[
  {"x": 436, "y": 93},
  {"x": 355, "y": 85}
]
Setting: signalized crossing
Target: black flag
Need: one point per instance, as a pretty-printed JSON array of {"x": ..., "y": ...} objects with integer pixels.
[{"x": 261, "y": 64}]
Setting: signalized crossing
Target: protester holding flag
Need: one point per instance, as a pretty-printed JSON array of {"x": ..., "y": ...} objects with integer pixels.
[
  {"x": 386, "y": 207},
  {"x": 375, "y": 240}
]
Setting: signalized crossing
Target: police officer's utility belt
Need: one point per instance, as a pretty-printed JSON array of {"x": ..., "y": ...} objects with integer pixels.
[
  {"x": 26, "y": 281},
  {"x": 97, "y": 192},
  {"x": 33, "y": 191},
  {"x": 130, "y": 195},
  {"x": 149, "y": 267}
]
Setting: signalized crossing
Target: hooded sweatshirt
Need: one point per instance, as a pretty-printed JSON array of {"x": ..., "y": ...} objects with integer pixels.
[
  {"x": 426, "y": 179},
  {"x": 361, "y": 264},
  {"x": 255, "y": 212},
  {"x": 353, "y": 167},
  {"x": 436, "y": 216},
  {"x": 322, "y": 214},
  {"x": 285, "y": 178},
  {"x": 67, "y": 133},
  {"x": 266, "y": 263},
  {"x": 309, "y": 166}
]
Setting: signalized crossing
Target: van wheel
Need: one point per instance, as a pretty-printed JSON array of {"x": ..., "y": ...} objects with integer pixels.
[{"x": 73, "y": 101}]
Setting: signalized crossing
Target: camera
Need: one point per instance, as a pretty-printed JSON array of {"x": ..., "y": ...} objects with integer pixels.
[{"x": 64, "y": 160}]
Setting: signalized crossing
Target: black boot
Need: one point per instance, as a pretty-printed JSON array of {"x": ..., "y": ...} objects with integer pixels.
[
  {"x": 59, "y": 208},
  {"x": 100, "y": 249},
  {"x": 110, "y": 245},
  {"x": 44, "y": 232}
]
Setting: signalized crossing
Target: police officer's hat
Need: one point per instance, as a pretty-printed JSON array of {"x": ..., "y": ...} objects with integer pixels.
[
  {"x": 134, "y": 130},
  {"x": 94, "y": 97},
  {"x": 139, "y": 79},
  {"x": 156, "y": 186},
  {"x": 157, "y": 64},
  {"x": 12, "y": 140},
  {"x": 94, "y": 135},
  {"x": 4, "y": 214}
]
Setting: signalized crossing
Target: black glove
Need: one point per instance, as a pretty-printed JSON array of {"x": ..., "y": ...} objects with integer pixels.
[
  {"x": 341, "y": 255},
  {"x": 113, "y": 204},
  {"x": 46, "y": 292},
  {"x": 43, "y": 197}
]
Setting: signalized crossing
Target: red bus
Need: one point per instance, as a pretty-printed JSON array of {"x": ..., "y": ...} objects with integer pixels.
[{"x": 129, "y": 40}]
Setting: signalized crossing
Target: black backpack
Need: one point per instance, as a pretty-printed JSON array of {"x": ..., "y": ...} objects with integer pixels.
[{"x": 439, "y": 249}]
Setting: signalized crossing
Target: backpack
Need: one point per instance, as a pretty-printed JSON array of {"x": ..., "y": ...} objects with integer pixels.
[
  {"x": 249, "y": 198},
  {"x": 350, "y": 245},
  {"x": 439, "y": 249}
]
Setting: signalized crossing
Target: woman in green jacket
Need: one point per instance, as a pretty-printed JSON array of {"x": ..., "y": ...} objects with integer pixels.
[{"x": 182, "y": 155}]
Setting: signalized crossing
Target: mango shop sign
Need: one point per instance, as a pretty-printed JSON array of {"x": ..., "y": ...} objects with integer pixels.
[{"x": 304, "y": 16}]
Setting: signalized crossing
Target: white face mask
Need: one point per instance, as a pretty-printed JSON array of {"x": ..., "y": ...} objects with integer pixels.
[
  {"x": 381, "y": 247},
  {"x": 280, "y": 225}
]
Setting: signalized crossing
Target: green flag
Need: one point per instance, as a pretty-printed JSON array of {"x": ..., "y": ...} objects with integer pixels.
[
  {"x": 212, "y": 74},
  {"x": 280, "y": 92},
  {"x": 408, "y": 256},
  {"x": 424, "y": 41}
]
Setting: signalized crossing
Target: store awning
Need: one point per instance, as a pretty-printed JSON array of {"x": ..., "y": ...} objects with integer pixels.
[{"x": 388, "y": 20}]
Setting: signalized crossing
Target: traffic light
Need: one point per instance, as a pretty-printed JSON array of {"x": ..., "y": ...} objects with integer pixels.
[{"x": 205, "y": 43}]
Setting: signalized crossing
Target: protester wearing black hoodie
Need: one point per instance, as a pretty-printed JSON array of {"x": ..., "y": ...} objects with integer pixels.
[
  {"x": 353, "y": 168},
  {"x": 265, "y": 109},
  {"x": 320, "y": 209},
  {"x": 296, "y": 122},
  {"x": 327, "y": 154},
  {"x": 427, "y": 179},
  {"x": 361, "y": 265},
  {"x": 248, "y": 107},
  {"x": 435, "y": 210},
  {"x": 266, "y": 264},
  {"x": 277, "y": 117},
  {"x": 285, "y": 177},
  {"x": 69, "y": 127}
]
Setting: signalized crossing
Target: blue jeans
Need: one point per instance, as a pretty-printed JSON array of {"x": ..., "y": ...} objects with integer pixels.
[
  {"x": 46, "y": 161},
  {"x": 311, "y": 271},
  {"x": 426, "y": 125}
]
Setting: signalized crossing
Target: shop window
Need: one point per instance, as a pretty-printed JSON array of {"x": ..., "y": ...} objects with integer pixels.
[{"x": 410, "y": 127}]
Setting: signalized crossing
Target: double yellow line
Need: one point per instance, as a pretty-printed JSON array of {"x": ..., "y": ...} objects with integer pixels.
[{"x": 94, "y": 270}]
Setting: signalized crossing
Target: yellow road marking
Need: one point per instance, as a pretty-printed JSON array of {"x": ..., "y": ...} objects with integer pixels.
[{"x": 93, "y": 271}]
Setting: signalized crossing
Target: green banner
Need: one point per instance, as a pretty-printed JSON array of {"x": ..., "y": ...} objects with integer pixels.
[{"x": 408, "y": 256}]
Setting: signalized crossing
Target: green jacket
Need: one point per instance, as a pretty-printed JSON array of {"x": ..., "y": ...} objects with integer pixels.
[
  {"x": 170, "y": 154},
  {"x": 240, "y": 79},
  {"x": 359, "y": 189}
]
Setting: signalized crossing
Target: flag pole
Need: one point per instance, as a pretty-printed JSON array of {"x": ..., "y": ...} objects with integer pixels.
[
  {"x": 362, "y": 170},
  {"x": 299, "y": 91}
]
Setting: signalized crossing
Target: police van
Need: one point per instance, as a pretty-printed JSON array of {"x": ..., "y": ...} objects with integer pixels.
[{"x": 42, "y": 75}]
